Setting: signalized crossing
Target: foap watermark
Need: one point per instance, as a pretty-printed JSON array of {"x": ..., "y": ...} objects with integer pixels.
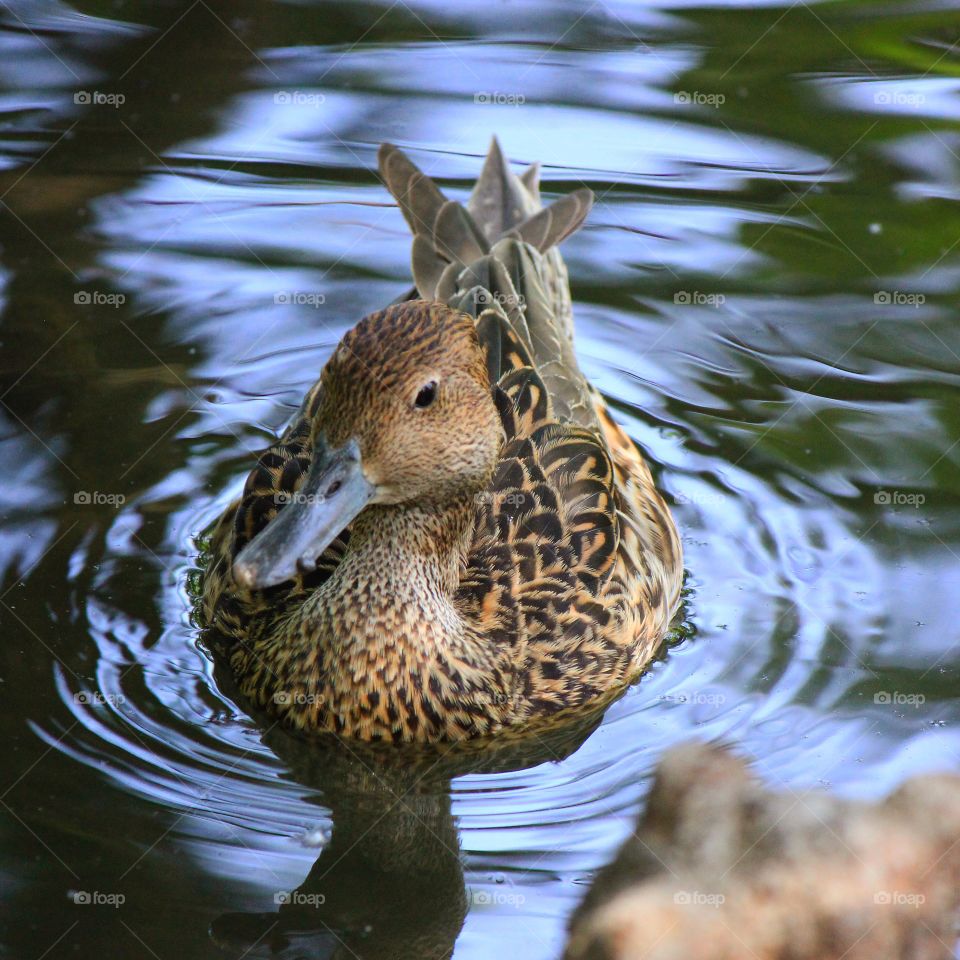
[
  {"x": 298, "y": 98},
  {"x": 898, "y": 498},
  {"x": 484, "y": 298},
  {"x": 899, "y": 98},
  {"x": 299, "y": 899},
  {"x": 499, "y": 698},
  {"x": 497, "y": 898},
  {"x": 696, "y": 898},
  {"x": 300, "y": 298},
  {"x": 94, "y": 698},
  {"x": 698, "y": 298},
  {"x": 98, "y": 498},
  {"x": 898, "y": 298},
  {"x": 499, "y": 98},
  {"x": 98, "y": 98},
  {"x": 296, "y": 496},
  {"x": 894, "y": 698},
  {"x": 700, "y": 499},
  {"x": 98, "y": 298},
  {"x": 289, "y": 698},
  {"x": 516, "y": 499},
  {"x": 699, "y": 98},
  {"x": 898, "y": 898},
  {"x": 708, "y": 698},
  {"x": 97, "y": 898}
]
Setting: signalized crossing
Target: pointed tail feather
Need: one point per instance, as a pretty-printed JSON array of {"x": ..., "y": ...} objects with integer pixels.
[
  {"x": 501, "y": 204},
  {"x": 497, "y": 257},
  {"x": 419, "y": 197},
  {"x": 500, "y": 200},
  {"x": 552, "y": 225}
]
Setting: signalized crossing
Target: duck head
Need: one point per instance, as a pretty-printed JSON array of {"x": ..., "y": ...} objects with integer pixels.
[{"x": 404, "y": 415}]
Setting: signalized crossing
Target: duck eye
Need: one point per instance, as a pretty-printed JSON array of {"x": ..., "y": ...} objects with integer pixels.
[{"x": 427, "y": 394}]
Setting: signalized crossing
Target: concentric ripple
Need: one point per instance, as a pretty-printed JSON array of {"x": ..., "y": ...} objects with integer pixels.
[{"x": 766, "y": 295}]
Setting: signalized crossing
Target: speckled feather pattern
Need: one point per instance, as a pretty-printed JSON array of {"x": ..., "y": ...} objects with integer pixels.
[{"x": 544, "y": 587}]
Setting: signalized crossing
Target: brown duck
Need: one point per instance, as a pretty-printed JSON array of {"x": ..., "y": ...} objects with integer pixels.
[{"x": 452, "y": 539}]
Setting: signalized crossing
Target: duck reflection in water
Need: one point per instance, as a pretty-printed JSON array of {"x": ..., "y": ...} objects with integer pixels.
[{"x": 389, "y": 884}]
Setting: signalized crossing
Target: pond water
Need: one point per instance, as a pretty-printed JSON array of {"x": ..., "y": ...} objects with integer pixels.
[{"x": 766, "y": 292}]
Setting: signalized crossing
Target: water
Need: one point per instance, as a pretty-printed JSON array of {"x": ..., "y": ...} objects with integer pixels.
[{"x": 766, "y": 293}]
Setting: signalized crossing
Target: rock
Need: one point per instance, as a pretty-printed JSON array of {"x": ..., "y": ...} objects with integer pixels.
[{"x": 720, "y": 868}]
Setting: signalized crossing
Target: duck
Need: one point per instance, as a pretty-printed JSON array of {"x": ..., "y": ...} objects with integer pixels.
[{"x": 453, "y": 539}]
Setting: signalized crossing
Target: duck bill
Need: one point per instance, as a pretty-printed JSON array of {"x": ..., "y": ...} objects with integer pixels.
[{"x": 334, "y": 492}]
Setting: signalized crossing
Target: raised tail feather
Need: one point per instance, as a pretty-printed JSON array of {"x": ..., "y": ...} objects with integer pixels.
[{"x": 499, "y": 254}]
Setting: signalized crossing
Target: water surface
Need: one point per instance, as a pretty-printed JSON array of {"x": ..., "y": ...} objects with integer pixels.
[{"x": 765, "y": 292}]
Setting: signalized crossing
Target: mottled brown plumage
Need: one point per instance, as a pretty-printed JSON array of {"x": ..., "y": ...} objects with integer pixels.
[{"x": 511, "y": 558}]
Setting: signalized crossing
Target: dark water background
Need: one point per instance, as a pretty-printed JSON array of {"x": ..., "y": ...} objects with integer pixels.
[{"x": 766, "y": 292}]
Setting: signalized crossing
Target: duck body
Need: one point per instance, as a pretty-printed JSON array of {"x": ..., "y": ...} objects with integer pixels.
[{"x": 452, "y": 538}]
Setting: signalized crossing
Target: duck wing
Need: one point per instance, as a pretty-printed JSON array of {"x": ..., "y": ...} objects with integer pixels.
[
  {"x": 574, "y": 564},
  {"x": 544, "y": 548}
]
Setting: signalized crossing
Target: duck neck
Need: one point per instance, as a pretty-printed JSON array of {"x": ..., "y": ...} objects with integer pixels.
[
  {"x": 388, "y": 647},
  {"x": 406, "y": 556}
]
